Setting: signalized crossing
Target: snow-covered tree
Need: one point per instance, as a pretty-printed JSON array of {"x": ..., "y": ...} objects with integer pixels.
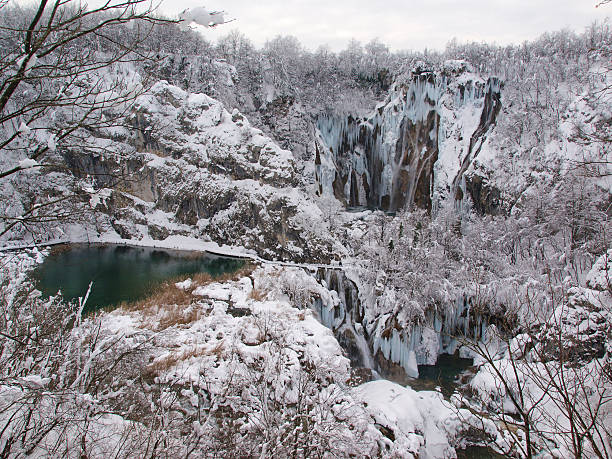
[{"x": 66, "y": 71}]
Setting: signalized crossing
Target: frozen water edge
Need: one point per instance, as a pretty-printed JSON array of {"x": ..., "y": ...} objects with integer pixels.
[
  {"x": 428, "y": 430},
  {"x": 182, "y": 243}
]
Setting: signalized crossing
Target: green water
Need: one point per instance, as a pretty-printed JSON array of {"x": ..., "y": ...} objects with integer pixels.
[
  {"x": 444, "y": 374},
  {"x": 478, "y": 452},
  {"x": 120, "y": 273}
]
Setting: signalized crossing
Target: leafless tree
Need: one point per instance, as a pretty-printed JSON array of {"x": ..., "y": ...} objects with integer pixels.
[
  {"x": 50, "y": 367},
  {"x": 552, "y": 386},
  {"x": 65, "y": 75}
]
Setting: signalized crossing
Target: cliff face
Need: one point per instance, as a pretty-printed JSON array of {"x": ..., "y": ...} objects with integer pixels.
[
  {"x": 189, "y": 167},
  {"x": 418, "y": 143},
  {"x": 490, "y": 110}
]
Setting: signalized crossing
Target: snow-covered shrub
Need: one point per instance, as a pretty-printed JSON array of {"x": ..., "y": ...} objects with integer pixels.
[
  {"x": 552, "y": 381},
  {"x": 54, "y": 372}
]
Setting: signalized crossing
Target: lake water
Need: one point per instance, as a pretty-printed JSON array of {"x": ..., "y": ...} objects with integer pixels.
[
  {"x": 126, "y": 273},
  {"x": 120, "y": 273},
  {"x": 478, "y": 452}
]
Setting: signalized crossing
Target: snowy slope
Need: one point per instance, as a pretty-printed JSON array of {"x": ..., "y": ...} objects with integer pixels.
[
  {"x": 180, "y": 164},
  {"x": 239, "y": 366}
]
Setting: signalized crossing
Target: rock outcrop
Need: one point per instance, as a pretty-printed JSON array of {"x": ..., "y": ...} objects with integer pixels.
[{"x": 195, "y": 169}]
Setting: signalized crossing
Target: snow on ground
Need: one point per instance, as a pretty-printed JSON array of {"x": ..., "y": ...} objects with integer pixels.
[
  {"x": 108, "y": 435},
  {"x": 428, "y": 424},
  {"x": 228, "y": 327},
  {"x": 195, "y": 171},
  {"x": 251, "y": 346},
  {"x": 14, "y": 268},
  {"x": 545, "y": 400},
  {"x": 557, "y": 372}
]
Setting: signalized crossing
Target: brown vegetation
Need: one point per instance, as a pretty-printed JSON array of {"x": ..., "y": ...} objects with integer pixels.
[
  {"x": 60, "y": 248},
  {"x": 168, "y": 293},
  {"x": 205, "y": 278},
  {"x": 169, "y": 305},
  {"x": 175, "y": 316},
  {"x": 164, "y": 294},
  {"x": 165, "y": 363},
  {"x": 258, "y": 294}
]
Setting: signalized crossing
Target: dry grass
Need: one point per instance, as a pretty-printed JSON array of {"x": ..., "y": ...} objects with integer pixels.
[
  {"x": 164, "y": 294},
  {"x": 258, "y": 294},
  {"x": 168, "y": 293},
  {"x": 60, "y": 248},
  {"x": 509, "y": 426},
  {"x": 200, "y": 279},
  {"x": 164, "y": 364},
  {"x": 169, "y": 305},
  {"x": 163, "y": 315},
  {"x": 176, "y": 316},
  {"x": 245, "y": 271},
  {"x": 171, "y": 360}
]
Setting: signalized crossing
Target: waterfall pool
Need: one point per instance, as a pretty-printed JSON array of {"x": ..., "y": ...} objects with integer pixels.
[
  {"x": 444, "y": 374},
  {"x": 120, "y": 273},
  {"x": 128, "y": 273},
  {"x": 478, "y": 452}
]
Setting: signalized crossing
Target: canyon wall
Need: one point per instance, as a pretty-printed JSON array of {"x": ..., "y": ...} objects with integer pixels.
[{"x": 415, "y": 146}]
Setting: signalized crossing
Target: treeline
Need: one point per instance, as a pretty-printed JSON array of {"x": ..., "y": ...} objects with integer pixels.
[
  {"x": 322, "y": 77},
  {"x": 541, "y": 78},
  {"x": 188, "y": 59}
]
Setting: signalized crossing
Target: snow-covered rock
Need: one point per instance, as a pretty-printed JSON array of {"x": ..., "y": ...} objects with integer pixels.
[
  {"x": 418, "y": 142},
  {"x": 598, "y": 277},
  {"x": 418, "y": 424},
  {"x": 243, "y": 347},
  {"x": 196, "y": 170}
]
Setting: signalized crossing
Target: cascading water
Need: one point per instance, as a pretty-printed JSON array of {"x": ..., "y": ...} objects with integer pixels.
[
  {"x": 385, "y": 161},
  {"x": 394, "y": 350},
  {"x": 344, "y": 318},
  {"x": 394, "y": 158}
]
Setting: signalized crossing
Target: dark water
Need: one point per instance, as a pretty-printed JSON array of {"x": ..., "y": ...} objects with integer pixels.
[
  {"x": 478, "y": 452},
  {"x": 445, "y": 374},
  {"x": 121, "y": 273}
]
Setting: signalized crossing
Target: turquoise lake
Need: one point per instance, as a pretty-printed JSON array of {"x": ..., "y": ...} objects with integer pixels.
[{"x": 121, "y": 273}]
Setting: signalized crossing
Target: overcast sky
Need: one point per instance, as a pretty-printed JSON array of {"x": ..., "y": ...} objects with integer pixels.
[{"x": 407, "y": 24}]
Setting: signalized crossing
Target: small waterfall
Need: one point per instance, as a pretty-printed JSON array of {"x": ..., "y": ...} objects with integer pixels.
[
  {"x": 364, "y": 347},
  {"x": 393, "y": 349},
  {"x": 345, "y": 318}
]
